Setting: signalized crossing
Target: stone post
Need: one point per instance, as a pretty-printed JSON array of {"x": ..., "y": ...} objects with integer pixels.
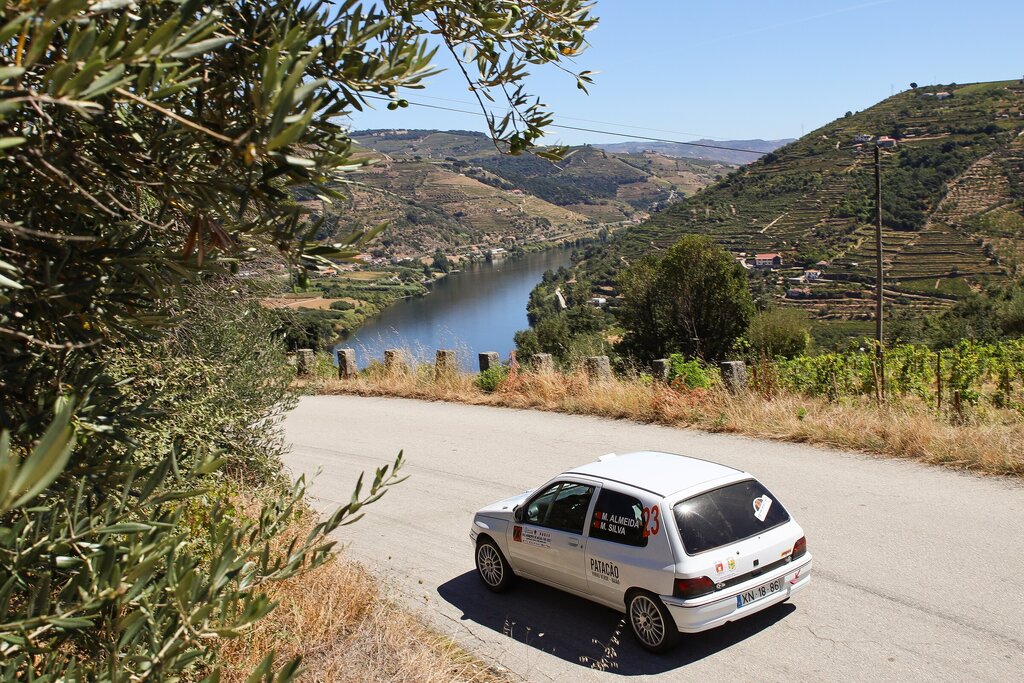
[
  {"x": 599, "y": 368},
  {"x": 446, "y": 364},
  {"x": 305, "y": 361},
  {"x": 660, "y": 369},
  {"x": 542, "y": 362},
  {"x": 347, "y": 364},
  {"x": 393, "y": 360},
  {"x": 488, "y": 360},
  {"x": 734, "y": 375}
]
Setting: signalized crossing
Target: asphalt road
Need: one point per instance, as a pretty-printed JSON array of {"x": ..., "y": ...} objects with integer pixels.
[{"x": 918, "y": 571}]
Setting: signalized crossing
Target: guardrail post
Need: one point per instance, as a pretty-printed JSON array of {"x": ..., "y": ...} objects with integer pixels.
[
  {"x": 347, "y": 364},
  {"x": 445, "y": 364},
  {"x": 734, "y": 375},
  {"x": 488, "y": 360},
  {"x": 542, "y": 362},
  {"x": 660, "y": 369},
  {"x": 599, "y": 368},
  {"x": 304, "y": 361}
]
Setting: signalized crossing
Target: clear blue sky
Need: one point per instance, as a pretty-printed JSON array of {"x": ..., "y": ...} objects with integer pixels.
[{"x": 737, "y": 69}]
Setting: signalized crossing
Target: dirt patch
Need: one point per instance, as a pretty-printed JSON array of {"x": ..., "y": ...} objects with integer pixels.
[{"x": 317, "y": 302}]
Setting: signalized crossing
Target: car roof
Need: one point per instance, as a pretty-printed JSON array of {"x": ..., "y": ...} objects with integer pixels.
[{"x": 660, "y": 473}]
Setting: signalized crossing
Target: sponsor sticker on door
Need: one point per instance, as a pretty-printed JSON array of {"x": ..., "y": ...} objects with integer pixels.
[
  {"x": 604, "y": 570},
  {"x": 535, "y": 537}
]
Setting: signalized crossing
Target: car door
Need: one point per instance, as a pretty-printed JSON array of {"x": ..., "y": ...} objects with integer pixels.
[
  {"x": 548, "y": 542},
  {"x": 627, "y": 545}
]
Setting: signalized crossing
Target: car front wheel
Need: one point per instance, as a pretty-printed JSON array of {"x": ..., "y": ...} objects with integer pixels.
[
  {"x": 650, "y": 622},
  {"x": 492, "y": 567}
]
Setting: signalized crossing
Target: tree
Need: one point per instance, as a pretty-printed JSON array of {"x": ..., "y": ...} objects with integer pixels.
[
  {"x": 440, "y": 262},
  {"x": 913, "y": 86},
  {"x": 693, "y": 300},
  {"x": 779, "y": 332},
  {"x": 147, "y": 148}
]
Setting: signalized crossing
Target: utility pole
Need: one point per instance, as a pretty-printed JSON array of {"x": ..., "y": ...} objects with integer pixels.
[{"x": 878, "y": 267}]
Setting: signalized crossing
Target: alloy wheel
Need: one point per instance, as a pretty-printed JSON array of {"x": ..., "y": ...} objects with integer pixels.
[{"x": 648, "y": 624}]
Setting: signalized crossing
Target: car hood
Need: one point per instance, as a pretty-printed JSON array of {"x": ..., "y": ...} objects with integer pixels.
[{"x": 503, "y": 508}]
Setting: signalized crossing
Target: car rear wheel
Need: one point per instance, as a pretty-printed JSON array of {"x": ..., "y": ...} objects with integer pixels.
[
  {"x": 492, "y": 567},
  {"x": 651, "y": 623}
]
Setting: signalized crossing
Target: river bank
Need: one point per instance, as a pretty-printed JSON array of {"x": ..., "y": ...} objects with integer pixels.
[{"x": 479, "y": 307}]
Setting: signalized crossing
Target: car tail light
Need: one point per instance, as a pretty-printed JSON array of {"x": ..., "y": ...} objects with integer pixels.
[
  {"x": 800, "y": 547},
  {"x": 693, "y": 588}
]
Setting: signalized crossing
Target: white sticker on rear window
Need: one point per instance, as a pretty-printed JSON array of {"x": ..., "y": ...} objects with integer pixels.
[{"x": 761, "y": 507}]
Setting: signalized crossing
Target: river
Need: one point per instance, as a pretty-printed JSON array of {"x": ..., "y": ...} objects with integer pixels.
[{"x": 477, "y": 309}]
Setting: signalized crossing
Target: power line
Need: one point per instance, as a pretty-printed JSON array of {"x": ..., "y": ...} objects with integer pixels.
[
  {"x": 603, "y": 123},
  {"x": 585, "y": 130}
]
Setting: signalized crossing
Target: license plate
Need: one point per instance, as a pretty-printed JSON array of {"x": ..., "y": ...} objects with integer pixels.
[{"x": 759, "y": 592}]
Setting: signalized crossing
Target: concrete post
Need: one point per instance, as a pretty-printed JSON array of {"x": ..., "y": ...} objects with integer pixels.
[
  {"x": 488, "y": 360},
  {"x": 305, "y": 361},
  {"x": 347, "y": 364},
  {"x": 445, "y": 364},
  {"x": 660, "y": 369},
  {"x": 542, "y": 362},
  {"x": 599, "y": 368},
  {"x": 394, "y": 360},
  {"x": 734, "y": 375}
]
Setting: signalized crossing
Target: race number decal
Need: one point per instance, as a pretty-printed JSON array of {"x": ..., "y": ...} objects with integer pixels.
[{"x": 651, "y": 521}]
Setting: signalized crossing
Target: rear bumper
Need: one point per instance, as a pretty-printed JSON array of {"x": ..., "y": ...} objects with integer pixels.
[{"x": 692, "y": 616}]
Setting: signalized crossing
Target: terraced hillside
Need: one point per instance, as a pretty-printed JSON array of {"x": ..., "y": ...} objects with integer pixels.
[
  {"x": 452, "y": 190},
  {"x": 953, "y": 205}
]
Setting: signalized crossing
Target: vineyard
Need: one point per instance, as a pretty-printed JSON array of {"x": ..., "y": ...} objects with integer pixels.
[
  {"x": 953, "y": 207},
  {"x": 971, "y": 374}
]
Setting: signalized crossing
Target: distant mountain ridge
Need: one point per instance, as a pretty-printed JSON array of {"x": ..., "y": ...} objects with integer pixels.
[
  {"x": 693, "y": 150},
  {"x": 452, "y": 190}
]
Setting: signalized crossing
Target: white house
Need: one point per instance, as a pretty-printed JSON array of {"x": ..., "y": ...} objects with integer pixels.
[{"x": 768, "y": 260}]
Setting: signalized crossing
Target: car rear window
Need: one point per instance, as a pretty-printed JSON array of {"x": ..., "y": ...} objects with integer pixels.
[{"x": 716, "y": 518}]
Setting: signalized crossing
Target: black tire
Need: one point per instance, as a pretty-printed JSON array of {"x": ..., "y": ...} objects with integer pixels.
[
  {"x": 650, "y": 622},
  {"x": 492, "y": 567}
]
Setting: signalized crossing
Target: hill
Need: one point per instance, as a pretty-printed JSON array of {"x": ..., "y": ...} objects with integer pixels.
[
  {"x": 452, "y": 190},
  {"x": 953, "y": 200},
  {"x": 697, "y": 151}
]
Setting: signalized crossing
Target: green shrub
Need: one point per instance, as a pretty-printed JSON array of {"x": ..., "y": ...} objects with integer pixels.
[
  {"x": 490, "y": 379},
  {"x": 342, "y": 305},
  {"x": 691, "y": 373},
  {"x": 780, "y": 332}
]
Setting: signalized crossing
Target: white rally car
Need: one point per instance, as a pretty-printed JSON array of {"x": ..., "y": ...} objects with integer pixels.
[{"x": 678, "y": 544}]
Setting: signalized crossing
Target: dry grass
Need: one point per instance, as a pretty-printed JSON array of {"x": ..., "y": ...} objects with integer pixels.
[
  {"x": 987, "y": 441},
  {"x": 337, "y": 618}
]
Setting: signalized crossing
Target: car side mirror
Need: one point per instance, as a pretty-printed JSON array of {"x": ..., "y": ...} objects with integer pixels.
[{"x": 517, "y": 513}]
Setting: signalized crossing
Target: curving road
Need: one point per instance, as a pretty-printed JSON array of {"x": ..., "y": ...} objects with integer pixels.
[{"x": 918, "y": 571}]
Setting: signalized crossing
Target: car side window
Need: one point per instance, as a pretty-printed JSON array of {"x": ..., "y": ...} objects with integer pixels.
[
  {"x": 618, "y": 517},
  {"x": 562, "y": 506},
  {"x": 537, "y": 510}
]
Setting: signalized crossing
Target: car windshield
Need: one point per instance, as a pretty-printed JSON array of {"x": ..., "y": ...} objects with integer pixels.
[{"x": 725, "y": 515}]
